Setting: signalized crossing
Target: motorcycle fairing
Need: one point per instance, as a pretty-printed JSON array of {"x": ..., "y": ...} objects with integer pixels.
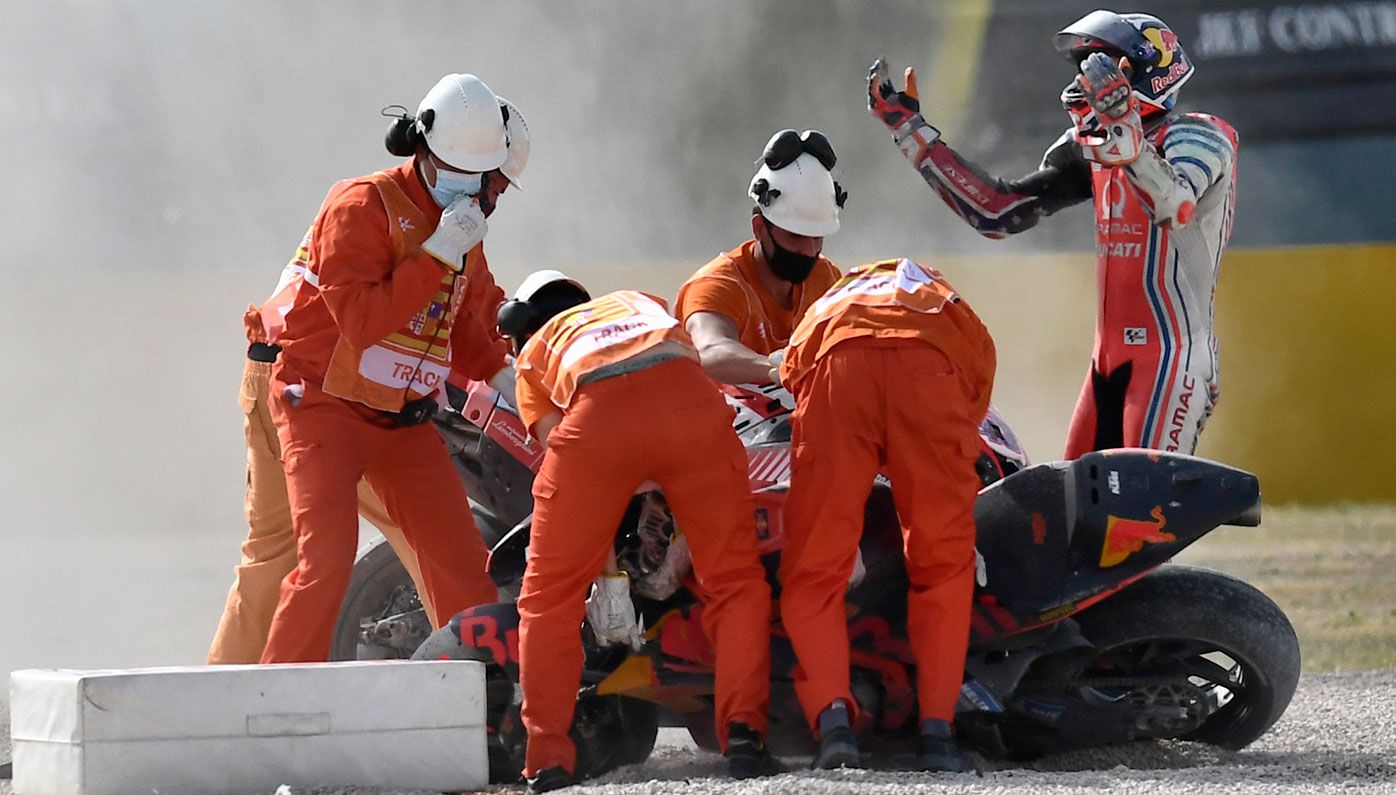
[
  {"x": 492, "y": 630},
  {"x": 1059, "y": 537}
]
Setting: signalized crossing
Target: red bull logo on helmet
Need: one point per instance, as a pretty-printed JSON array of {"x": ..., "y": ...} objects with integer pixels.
[
  {"x": 1165, "y": 41},
  {"x": 1170, "y": 62},
  {"x": 1124, "y": 537},
  {"x": 1162, "y": 82}
]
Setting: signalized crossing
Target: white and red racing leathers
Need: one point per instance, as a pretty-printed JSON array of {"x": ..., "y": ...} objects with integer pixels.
[{"x": 1153, "y": 378}]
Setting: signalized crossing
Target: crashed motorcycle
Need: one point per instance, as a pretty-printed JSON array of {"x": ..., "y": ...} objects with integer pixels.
[
  {"x": 1080, "y": 637},
  {"x": 382, "y": 616}
]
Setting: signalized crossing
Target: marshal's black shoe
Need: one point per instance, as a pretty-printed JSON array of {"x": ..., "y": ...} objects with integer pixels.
[
  {"x": 548, "y": 780},
  {"x": 747, "y": 754},
  {"x": 939, "y": 753},
  {"x": 837, "y": 748},
  {"x": 837, "y": 745}
]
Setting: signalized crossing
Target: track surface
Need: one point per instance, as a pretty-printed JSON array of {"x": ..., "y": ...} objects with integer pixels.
[{"x": 1339, "y": 735}]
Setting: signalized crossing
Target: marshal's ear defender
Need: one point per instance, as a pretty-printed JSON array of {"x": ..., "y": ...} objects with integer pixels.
[
  {"x": 542, "y": 296},
  {"x": 404, "y": 134},
  {"x": 515, "y": 316}
]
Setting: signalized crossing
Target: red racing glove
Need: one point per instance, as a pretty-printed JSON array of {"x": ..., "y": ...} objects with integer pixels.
[
  {"x": 900, "y": 112},
  {"x": 1104, "y": 112}
]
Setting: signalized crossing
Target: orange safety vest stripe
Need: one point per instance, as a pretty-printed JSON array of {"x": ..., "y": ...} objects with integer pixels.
[
  {"x": 892, "y": 299},
  {"x": 407, "y": 364},
  {"x": 606, "y": 330},
  {"x": 415, "y": 360}
]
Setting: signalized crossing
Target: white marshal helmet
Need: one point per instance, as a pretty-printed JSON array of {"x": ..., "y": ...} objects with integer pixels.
[
  {"x": 800, "y": 198},
  {"x": 534, "y": 305},
  {"x": 519, "y": 142},
  {"x": 537, "y": 280},
  {"x": 462, "y": 123}
]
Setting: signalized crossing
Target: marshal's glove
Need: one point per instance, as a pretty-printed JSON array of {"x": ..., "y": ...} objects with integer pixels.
[
  {"x": 505, "y": 382},
  {"x": 1104, "y": 113},
  {"x": 461, "y": 228},
  {"x": 776, "y": 359},
  {"x": 900, "y": 111},
  {"x": 611, "y": 614}
]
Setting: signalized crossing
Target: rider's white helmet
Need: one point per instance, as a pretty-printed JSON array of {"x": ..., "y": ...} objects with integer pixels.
[
  {"x": 461, "y": 121},
  {"x": 799, "y": 198}
]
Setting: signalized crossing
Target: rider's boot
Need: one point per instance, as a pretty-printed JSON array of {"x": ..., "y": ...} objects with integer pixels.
[
  {"x": 747, "y": 754},
  {"x": 837, "y": 746},
  {"x": 939, "y": 753},
  {"x": 549, "y": 779}
]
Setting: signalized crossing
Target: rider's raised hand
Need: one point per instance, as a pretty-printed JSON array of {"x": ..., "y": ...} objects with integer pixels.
[
  {"x": 900, "y": 112},
  {"x": 888, "y": 105},
  {"x": 1105, "y": 87},
  {"x": 1104, "y": 112}
]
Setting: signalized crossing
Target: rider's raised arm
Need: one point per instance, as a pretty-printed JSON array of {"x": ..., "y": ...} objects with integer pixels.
[{"x": 995, "y": 207}]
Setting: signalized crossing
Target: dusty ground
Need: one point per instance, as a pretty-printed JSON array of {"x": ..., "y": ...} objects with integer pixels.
[
  {"x": 1339, "y": 735},
  {"x": 1330, "y": 569}
]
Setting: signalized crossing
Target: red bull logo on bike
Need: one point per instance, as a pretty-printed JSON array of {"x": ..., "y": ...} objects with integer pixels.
[{"x": 1124, "y": 537}]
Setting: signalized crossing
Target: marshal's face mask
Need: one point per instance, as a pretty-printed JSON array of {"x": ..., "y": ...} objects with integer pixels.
[{"x": 451, "y": 185}]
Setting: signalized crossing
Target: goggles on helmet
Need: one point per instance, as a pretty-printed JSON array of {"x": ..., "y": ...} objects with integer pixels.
[{"x": 787, "y": 145}]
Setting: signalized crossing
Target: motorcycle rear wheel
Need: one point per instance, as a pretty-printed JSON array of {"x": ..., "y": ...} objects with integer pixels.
[
  {"x": 1236, "y": 645},
  {"x": 378, "y": 580},
  {"x": 380, "y": 586}
]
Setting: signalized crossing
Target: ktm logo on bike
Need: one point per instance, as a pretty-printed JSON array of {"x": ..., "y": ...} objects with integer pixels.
[{"x": 1124, "y": 537}]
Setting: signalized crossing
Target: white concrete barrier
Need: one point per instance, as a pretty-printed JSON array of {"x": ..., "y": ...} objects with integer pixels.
[{"x": 249, "y": 728}]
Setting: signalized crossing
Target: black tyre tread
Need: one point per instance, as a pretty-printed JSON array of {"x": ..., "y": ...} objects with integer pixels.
[
  {"x": 1195, "y": 602},
  {"x": 443, "y": 644},
  {"x": 376, "y": 569},
  {"x": 642, "y": 730}
]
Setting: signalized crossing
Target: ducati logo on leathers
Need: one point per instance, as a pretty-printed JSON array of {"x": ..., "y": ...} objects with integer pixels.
[{"x": 1115, "y": 206}]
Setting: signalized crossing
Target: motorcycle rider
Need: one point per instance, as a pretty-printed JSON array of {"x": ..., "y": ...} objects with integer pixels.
[
  {"x": 741, "y": 307},
  {"x": 589, "y": 372},
  {"x": 1164, "y": 188},
  {"x": 889, "y": 368},
  {"x": 390, "y": 299},
  {"x": 269, "y": 552}
]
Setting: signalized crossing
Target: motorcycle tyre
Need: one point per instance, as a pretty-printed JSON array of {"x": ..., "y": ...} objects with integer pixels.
[
  {"x": 377, "y": 573},
  {"x": 1188, "y": 602},
  {"x": 633, "y": 740},
  {"x": 640, "y": 732},
  {"x": 505, "y": 763}
]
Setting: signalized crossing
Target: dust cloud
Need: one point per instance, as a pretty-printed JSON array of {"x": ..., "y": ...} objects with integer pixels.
[{"x": 162, "y": 160}]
